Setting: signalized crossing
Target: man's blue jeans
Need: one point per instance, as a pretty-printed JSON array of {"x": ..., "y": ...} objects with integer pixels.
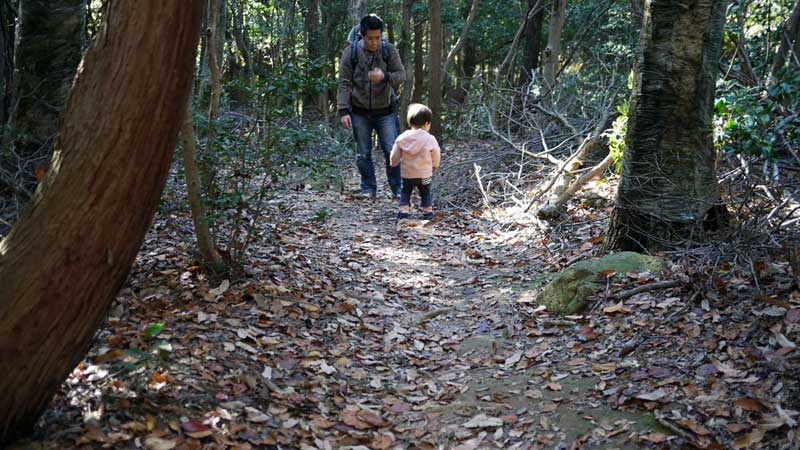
[{"x": 386, "y": 127}]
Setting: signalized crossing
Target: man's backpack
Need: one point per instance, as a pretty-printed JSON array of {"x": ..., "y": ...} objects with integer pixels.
[{"x": 352, "y": 40}]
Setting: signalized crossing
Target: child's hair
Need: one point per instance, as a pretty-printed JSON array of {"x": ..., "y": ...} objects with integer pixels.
[{"x": 418, "y": 115}]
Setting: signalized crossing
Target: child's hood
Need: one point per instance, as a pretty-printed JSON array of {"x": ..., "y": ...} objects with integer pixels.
[{"x": 414, "y": 141}]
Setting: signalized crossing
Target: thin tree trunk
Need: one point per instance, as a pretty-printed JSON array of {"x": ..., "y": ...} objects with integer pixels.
[
  {"x": 205, "y": 240},
  {"x": 419, "y": 60},
  {"x": 669, "y": 181},
  {"x": 435, "y": 102},
  {"x": 6, "y": 61},
  {"x": 462, "y": 37},
  {"x": 313, "y": 46},
  {"x": 207, "y": 173},
  {"x": 554, "y": 42},
  {"x": 533, "y": 41},
  {"x": 405, "y": 56},
  {"x": 48, "y": 49},
  {"x": 70, "y": 252},
  {"x": 790, "y": 35}
]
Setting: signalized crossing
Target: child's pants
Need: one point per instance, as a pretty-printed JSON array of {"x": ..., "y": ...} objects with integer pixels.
[{"x": 424, "y": 187}]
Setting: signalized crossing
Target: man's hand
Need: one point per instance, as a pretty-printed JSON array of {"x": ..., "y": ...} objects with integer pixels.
[
  {"x": 376, "y": 75},
  {"x": 346, "y": 122}
]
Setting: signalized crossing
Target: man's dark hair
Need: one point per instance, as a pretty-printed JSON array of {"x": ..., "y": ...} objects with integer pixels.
[
  {"x": 418, "y": 115},
  {"x": 371, "y": 22}
]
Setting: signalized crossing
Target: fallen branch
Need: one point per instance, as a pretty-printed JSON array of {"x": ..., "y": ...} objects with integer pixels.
[
  {"x": 666, "y": 284},
  {"x": 551, "y": 209}
]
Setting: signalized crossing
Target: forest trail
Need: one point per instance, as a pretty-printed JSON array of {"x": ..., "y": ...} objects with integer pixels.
[{"x": 350, "y": 332}]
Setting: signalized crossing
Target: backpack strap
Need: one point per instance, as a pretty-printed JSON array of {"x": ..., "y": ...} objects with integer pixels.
[
  {"x": 385, "y": 51},
  {"x": 354, "y": 52}
]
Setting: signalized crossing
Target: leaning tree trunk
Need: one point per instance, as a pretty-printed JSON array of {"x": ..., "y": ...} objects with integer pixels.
[
  {"x": 48, "y": 48},
  {"x": 668, "y": 177},
  {"x": 71, "y": 250},
  {"x": 202, "y": 230},
  {"x": 435, "y": 102}
]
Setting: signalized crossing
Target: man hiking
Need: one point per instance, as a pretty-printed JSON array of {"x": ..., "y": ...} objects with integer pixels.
[{"x": 369, "y": 71}]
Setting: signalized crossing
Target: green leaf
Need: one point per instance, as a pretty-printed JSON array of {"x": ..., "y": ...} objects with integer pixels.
[{"x": 154, "y": 329}]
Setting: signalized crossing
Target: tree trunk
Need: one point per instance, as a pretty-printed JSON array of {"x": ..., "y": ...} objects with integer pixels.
[
  {"x": 71, "y": 250},
  {"x": 533, "y": 39},
  {"x": 202, "y": 230},
  {"x": 357, "y": 10},
  {"x": 790, "y": 38},
  {"x": 49, "y": 46},
  {"x": 462, "y": 37},
  {"x": 207, "y": 172},
  {"x": 405, "y": 56},
  {"x": 313, "y": 46},
  {"x": 6, "y": 61},
  {"x": 419, "y": 60},
  {"x": 668, "y": 170},
  {"x": 553, "y": 42},
  {"x": 435, "y": 83}
]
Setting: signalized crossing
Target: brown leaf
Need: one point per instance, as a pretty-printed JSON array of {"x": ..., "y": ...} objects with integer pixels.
[
  {"x": 749, "y": 404},
  {"x": 748, "y": 440},
  {"x": 381, "y": 441},
  {"x": 604, "y": 367},
  {"x": 371, "y": 418},
  {"x": 196, "y": 430},
  {"x": 618, "y": 308},
  {"x": 656, "y": 438},
  {"x": 696, "y": 428},
  {"x": 39, "y": 172}
]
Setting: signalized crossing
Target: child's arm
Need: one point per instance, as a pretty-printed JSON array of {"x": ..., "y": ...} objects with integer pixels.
[
  {"x": 436, "y": 154},
  {"x": 394, "y": 158}
]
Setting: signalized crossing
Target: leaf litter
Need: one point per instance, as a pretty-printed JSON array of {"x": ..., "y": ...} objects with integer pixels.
[{"x": 353, "y": 333}]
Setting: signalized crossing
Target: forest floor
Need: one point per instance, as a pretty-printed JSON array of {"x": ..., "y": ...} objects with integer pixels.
[{"x": 349, "y": 331}]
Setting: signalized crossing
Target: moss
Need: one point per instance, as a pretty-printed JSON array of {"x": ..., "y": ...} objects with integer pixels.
[{"x": 569, "y": 290}]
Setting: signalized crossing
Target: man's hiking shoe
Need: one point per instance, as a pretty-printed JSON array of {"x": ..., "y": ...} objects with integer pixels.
[
  {"x": 427, "y": 215},
  {"x": 401, "y": 216}
]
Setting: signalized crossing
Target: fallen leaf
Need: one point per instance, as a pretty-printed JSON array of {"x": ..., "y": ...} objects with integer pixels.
[
  {"x": 749, "y": 404},
  {"x": 255, "y": 415},
  {"x": 381, "y": 441},
  {"x": 654, "y": 396},
  {"x": 483, "y": 421},
  {"x": 155, "y": 443},
  {"x": 748, "y": 440},
  {"x": 656, "y": 438},
  {"x": 617, "y": 308},
  {"x": 604, "y": 367}
]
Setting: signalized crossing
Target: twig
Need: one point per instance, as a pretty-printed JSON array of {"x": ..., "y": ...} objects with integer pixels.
[
  {"x": 666, "y": 284},
  {"x": 672, "y": 427},
  {"x": 483, "y": 191}
]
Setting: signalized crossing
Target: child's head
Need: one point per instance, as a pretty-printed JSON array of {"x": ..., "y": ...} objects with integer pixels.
[{"x": 419, "y": 116}]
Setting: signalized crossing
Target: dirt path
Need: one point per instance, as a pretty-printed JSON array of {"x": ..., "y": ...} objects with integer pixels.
[{"x": 351, "y": 332}]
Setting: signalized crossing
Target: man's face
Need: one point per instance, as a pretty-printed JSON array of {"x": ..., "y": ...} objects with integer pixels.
[{"x": 372, "y": 40}]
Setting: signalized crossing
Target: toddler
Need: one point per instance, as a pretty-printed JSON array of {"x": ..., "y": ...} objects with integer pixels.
[{"x": 419, "y": 154}]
